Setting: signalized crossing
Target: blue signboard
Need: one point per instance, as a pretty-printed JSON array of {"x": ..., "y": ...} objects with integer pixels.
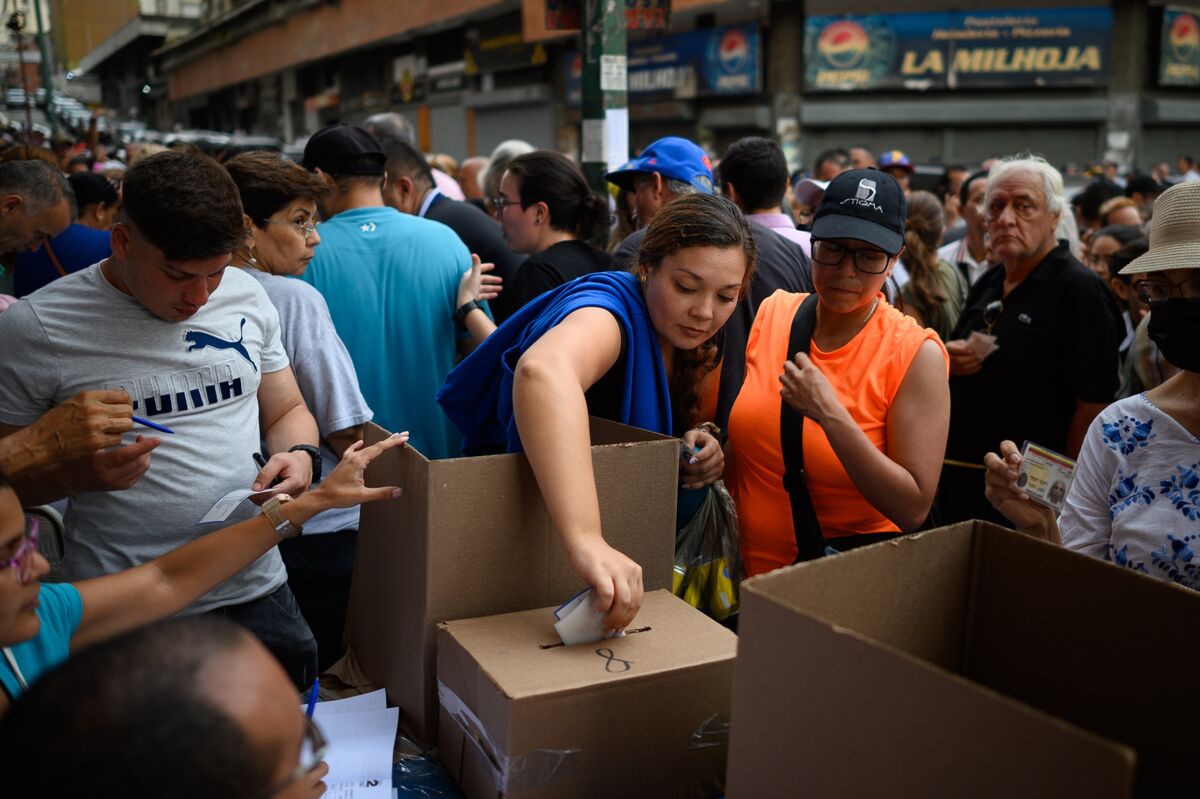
[
  {"x": 719, "y": 61},
  {"x": 1179, "y": 64},
  {"x": 958, "y": 50}
]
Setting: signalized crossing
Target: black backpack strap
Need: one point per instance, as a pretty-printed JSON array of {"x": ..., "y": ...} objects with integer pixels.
[{"x": 810, "y": 543}]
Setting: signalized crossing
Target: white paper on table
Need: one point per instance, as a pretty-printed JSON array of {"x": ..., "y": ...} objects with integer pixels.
[
  {"x": 226, "y": 504},
  {"x": 367, "y": 789},
  {"x": 360, "y": 746},
  {"x": 376, "y": 700}
]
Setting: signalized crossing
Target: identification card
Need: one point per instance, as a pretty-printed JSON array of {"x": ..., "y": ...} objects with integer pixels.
[{"x": 1045, "y": 475}]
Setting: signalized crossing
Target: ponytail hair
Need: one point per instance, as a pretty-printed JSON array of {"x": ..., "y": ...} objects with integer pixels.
[
  {"x": 922, "y": 234},
  {"x": 551, "y": 178}
]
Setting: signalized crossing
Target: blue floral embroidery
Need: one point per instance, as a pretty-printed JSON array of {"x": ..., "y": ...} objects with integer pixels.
[
  {"x": 1121, "y": 558},
  {"x": 1178, "y": 562},
  {"x": 1183, "y": 490},
  {"x": 1127, "y": 434},
  {"x": 1127, "y": 493}
]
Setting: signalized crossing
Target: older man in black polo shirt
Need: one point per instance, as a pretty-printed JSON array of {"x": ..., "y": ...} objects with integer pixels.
[{"x": 1056, "y": 363}]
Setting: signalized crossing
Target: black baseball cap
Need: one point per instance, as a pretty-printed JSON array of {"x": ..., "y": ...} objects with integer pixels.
[
  {"x": 863, "y": 204},
  {"x": 344, "y": 150},
  {"x": 1143, "y": 184}
]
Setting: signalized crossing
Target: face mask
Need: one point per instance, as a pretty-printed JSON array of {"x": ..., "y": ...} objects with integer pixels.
[{"x": 1175, "y": 328}]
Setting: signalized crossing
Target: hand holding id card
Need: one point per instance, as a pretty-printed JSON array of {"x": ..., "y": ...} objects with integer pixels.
[{"x": 1045, "y": 475}]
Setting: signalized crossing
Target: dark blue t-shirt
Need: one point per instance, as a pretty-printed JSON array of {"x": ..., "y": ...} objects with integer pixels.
[{"x": 77, "y": 247}]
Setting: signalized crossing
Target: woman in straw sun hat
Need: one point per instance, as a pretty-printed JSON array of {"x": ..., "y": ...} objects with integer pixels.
[{"x": 1135, "y": 500}]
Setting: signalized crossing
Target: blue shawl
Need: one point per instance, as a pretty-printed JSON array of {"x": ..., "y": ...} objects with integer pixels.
[{"x": 477, "y": 394}]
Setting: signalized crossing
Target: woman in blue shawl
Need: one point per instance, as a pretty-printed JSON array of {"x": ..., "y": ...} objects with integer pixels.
[{"x": 629, "y": 347}]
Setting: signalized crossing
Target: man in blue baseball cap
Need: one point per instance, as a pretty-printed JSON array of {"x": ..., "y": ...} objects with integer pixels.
[
  {"x": 668, "y": 168},
  {"x": 896, "y": 164}
]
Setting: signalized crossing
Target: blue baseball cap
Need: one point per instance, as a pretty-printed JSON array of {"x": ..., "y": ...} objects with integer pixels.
[
  {"x": 895, "y": 159},
  {"x": 671, "y": 157}
]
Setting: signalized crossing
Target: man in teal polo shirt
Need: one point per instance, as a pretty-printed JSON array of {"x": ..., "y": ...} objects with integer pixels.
[{"x": 391, "y": 282}]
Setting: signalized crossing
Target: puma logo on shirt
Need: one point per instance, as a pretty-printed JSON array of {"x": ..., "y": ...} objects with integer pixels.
[{"x": 199, "y": 340}]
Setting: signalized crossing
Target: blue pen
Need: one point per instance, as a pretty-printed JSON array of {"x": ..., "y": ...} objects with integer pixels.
[
  {"x": 312, "y": 697},
  {"x": 153, "y": 425}
]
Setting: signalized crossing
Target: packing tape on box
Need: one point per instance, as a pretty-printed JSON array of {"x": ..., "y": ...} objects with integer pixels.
[
  {"x": 539, "y": 767},
  {"x": 713, "y": 731}
]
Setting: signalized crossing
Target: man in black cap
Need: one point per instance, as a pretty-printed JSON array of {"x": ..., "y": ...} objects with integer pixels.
[
  {"x": 1143, "y": 190},
  {"x": 391, "y": 282},
  {"x": 412, "y": 189}
]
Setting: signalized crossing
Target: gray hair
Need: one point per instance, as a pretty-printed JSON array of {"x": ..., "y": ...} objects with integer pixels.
[
  {"x": 680, "y": 188},
  {"x": 1052, "y": 182},
  {"x": 1067, "y": 231},
  {"x": 38, "y": 183},
  {"x": 504, "y": 153},
  {"x": 391, "y": 125}
]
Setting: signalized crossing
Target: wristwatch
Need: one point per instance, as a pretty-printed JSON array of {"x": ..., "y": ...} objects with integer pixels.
[
  {"x": 460, "y": 316},
  {"x": 315, "y": 454},
  {"x": 273, "y": 510}
]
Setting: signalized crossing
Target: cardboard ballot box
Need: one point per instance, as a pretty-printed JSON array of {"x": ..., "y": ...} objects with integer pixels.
[
  {"x": 472, "y": 537},
  {"x": 645, "y": 715},
  {"x": 967, "y": 661}
]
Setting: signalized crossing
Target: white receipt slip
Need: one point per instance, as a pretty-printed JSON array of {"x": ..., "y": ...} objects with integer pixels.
[{"x": 226, "y": 504}]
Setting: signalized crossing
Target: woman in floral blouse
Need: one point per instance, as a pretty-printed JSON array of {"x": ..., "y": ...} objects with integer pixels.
[{"x": 1135, "y": 499}]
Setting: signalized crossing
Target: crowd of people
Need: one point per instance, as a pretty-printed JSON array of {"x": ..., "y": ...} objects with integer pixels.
[{"x": 855, "y": 358}]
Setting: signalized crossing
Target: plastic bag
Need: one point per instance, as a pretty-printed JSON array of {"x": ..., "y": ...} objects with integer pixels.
[{"x": 708, "y": 567}]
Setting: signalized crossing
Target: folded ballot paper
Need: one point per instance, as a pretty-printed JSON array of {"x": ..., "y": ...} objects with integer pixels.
[
  {"x": 578, "y": 621},
  {"x": 361, "y": 736}
]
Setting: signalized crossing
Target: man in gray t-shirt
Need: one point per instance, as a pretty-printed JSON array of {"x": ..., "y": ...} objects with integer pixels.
[{"x": 197, "y": 347}]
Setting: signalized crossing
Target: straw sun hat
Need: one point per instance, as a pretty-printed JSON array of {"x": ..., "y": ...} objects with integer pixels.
[{"x": 1174, "y": 232}]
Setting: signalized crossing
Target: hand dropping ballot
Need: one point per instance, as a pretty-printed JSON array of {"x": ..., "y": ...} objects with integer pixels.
[
  {"x": 578, "y": 620},
  {"x": 1045, "y": 475}
]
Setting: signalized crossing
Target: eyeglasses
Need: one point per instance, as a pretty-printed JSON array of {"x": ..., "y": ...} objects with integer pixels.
[
  {"x": 866, "y": 259},
  {"x": 312, "y": 752},
  {"x": 306, "y": 228},
  {"x": 500, "y": 203},
  {"x": 992, "y": 313},
  {"x": 22, "y": 559},
  {"x": 1154, "y": 291}
]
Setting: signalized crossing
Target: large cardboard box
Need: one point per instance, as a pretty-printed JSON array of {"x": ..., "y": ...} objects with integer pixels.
[
  {"x": 645, "y": 715},
  {"x": 472, "y": 537},
  {"x": 967, "y": 661}
]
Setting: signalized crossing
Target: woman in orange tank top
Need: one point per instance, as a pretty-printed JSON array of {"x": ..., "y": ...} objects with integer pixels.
[{"x": 873, "y": 390}]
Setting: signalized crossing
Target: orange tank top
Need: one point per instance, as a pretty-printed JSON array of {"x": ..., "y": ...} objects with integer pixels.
[{"x": 866, "y": 373}]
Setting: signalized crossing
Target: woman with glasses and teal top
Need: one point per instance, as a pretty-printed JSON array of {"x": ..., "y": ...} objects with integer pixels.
[
  {"x": 40, "y": 625},
  {"x": 1135, "y": 497},
  {"x": 861, "y": 427}
]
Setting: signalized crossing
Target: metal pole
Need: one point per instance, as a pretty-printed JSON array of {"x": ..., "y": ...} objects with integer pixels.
[
  {"x": 47, "y": 67},
  {"x": 605, "y": 134},
  {"x": 16, "y": 23}
]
